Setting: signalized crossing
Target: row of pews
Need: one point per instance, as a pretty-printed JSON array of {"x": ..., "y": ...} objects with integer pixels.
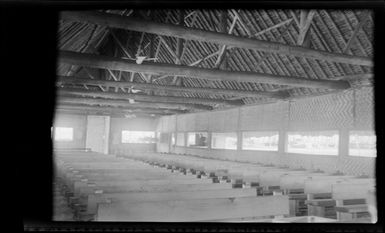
[
  {"x": 169, "y": 187},
  {"x": 311, "y": 193}
]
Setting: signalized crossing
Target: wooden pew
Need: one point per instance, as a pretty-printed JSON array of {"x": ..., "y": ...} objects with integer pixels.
[
  {"x": 351, "y": 199},
  {"x": 94, "y": 199},
  {"x": 194, "y": 210},
  {"x": 293, "y": 186},
  {"x": 319, "y": 194}
]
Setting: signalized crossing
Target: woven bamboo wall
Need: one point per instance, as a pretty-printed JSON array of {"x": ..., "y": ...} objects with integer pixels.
[
  {"x": 322, "y": 113},
  {"x": 349, "y": 110}
]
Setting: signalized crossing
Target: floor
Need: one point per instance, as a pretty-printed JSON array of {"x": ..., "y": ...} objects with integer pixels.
[{"x": 61, "y": 210}]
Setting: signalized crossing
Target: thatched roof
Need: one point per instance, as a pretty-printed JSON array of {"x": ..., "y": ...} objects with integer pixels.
[{"x": 330, "y": 30}]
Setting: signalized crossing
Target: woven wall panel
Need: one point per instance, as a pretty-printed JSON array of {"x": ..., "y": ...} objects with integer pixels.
[
  {"x": 264, "y": 117},
  {"x": 185, "y": 122},
  {"x": 357, "y": 166},
  {"x": 180, "y": 121},
  {"x": 202, "y": 121},
  {"x": 322, "y": 113},
  {"x": 224, "y": 120},
  {"x": 172, "y": 123},
  {"x": 164, "y": 124},
  {"x": 159, "y": 125},
  {"x": 216, "y": 121},
  {"x": 167, "y": 124},
  {"x": 364, "y": 108},
  {"x": 325, "y": 163}
]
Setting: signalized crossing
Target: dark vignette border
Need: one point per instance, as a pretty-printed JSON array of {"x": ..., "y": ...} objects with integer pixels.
[{"x": 28, "y": 30}]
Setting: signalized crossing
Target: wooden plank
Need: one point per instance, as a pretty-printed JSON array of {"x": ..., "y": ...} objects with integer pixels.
[
  {"x": 93, "y": 199},
  {"x": 129, "y": 23},
  {"x": 274, "y": 177},
  {"x": 154, "y": 188},
  {"x": 352, "y": 190},
  {"x": 294, "y": 181},
  {"x": 139, "y": 184},
  {"x": 194, "y": 210},
  {"x": 323, "y": 184},
  {"x": 106, "y": 62},
  {"x": 352, "y": 208}
]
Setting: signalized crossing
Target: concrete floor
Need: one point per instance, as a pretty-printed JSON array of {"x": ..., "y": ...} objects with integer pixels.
[{"x": 61, "y": 210}]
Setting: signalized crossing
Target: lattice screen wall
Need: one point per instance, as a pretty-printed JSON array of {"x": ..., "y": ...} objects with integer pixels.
[{"x": 353, "y": 109}]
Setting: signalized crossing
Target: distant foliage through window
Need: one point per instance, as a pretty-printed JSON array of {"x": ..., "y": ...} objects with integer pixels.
[
  {"x": 138, "y": 136},
  {"x": 173, "y": 140},
  {"x": 313, "y": 142},
  {"x": 224, "y": 141},
  {"x": 362, "y": 143},
  {"x": 64, "y": 134},
  {"x": 197, "y": 139},
  {"x": 264, "y": 140}
]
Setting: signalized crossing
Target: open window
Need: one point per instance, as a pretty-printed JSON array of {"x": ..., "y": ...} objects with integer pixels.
[
  {"x": 138, "y": 136},
  {"x": 313, "y": 142},
  {"x": 362, "y": 143},
  {"x": 260, "y": 140},
  {"x": 226, "y": 141},
  {"x": 173, "y": 139},
  {"x": 197, "y": 139},
  {"x": 64, "y": 134}
]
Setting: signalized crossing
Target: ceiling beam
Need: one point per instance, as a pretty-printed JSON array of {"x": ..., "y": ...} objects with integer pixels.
[
  {"x": 106, "y": 62},
  {"x": 148, "y": 98},
  {"x": 107, "y": 113},
  {"x": 116, "y": 109},
  {"x": 76, "y": 80},
  {"x": 133, "y": 24},
  {"x": 126, "y": 103}
]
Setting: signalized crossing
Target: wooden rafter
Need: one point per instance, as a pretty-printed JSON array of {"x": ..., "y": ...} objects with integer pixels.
[
  {"x": 105, "y": 62},
  {"x": 179, "y": 45},
  {"x": 364, "y": 18},
  {"x": 273, "y": 27},
  {"x": 117, "y": 109},
  {"x": 76, "y": 80},
  {"x": 222, "y": 50},
  {"x": 126, "y": 103},
  {"x": 130, "y": 23},
  {"x": 93, "y": 111},
  {"x": 305, "y": 23},
  {"x": 142, "y": 97}
]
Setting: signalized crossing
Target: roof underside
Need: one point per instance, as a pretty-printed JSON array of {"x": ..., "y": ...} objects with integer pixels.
[{"x": 330, "y": 30}]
